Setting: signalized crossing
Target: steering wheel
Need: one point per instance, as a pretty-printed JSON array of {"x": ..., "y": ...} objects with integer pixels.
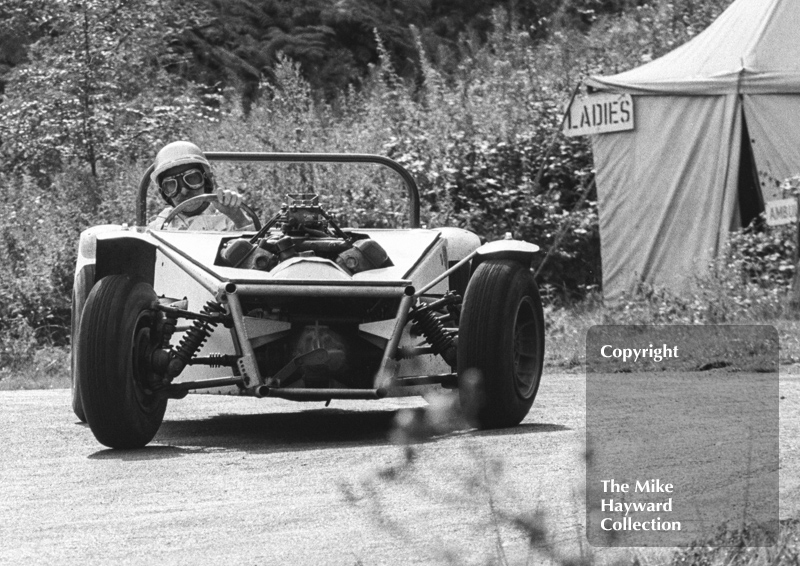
[{"x": 208, "y": 198}]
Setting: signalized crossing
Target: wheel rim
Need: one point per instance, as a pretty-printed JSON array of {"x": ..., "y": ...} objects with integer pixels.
[
  {"x": 142, "y": 349},
  {"x": 526, "y": 353}
]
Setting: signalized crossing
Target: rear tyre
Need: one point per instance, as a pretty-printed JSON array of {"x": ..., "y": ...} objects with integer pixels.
[
  {"x": 80, "y": 290},
  {"x": 116, "y": 339},
  {"x": 500, "y": 344},
  {"x": 77, "y": 404}
]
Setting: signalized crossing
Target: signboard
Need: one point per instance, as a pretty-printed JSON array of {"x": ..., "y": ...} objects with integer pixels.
[
  {"x": 780, "y": 212},
  {"x": 599, "y": 114}
]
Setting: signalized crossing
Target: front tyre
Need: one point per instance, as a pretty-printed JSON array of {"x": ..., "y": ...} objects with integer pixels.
[
  {"x": 116, "y": 339},
  {"x": 500, "y": 344}
]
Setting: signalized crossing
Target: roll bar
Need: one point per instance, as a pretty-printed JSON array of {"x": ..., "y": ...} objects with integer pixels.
[{"x": 411, "y": 184}]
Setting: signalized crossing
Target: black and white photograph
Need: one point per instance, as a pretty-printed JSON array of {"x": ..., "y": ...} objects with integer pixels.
[{"x": 391, "y": 282}]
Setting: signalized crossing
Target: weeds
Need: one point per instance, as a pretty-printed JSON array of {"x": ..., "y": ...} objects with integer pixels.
[
  {"x": 748, "y": 545},
  {"x": 39, "y": 368}
]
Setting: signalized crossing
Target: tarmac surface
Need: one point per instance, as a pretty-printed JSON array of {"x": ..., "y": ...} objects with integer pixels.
[{"x": 260, "y": 481}]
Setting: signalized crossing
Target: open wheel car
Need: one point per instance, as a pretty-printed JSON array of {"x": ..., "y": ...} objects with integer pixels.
[{"x": 302, "y": 309}]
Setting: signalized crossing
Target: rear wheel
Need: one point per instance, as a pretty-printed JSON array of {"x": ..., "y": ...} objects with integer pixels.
[
  {"x": 82, "y": 286},
  {"x": 500, "y": 344},
  {"x": 116, "y": 340},
  {"x": 77, "y": 404}
]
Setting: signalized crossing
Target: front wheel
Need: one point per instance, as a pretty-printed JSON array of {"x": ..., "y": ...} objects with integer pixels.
[
  {"x": 500, "y": 344},
  {"x": 117, "y": 336}
]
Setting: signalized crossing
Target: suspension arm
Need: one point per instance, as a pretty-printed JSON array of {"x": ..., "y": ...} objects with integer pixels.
[{"x": 212, "y": 318}]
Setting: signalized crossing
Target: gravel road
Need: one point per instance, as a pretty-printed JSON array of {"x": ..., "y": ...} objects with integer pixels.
[{"x": 248, "y": 481}]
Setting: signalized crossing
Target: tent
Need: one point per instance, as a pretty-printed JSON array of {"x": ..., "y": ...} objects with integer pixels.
[{"x": 716, "y": 130}]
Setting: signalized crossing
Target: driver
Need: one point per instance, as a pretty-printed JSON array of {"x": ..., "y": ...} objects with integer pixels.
[{"x": 181, "y": 172}]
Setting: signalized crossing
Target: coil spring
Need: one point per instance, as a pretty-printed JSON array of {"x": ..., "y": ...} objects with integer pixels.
[
  {"x": 199, "y": 332},
  {"x": 433, "y": 330}
]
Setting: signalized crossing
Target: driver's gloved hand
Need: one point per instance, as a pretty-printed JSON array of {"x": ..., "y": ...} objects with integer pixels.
[{"x": 228, "y": 204}]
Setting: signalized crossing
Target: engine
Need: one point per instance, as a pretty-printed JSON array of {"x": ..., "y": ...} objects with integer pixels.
[{"x": 303, "y": 229}]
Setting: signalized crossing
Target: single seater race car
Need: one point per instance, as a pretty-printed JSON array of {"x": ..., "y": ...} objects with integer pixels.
[{"x": 299, "y": 308}]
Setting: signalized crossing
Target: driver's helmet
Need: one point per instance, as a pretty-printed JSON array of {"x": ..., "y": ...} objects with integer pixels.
[{"x": 179, "y": 153}]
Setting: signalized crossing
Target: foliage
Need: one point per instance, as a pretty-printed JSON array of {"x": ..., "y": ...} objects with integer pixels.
[
  {"x": 644, "y": 33},
  {"x": 738, "y": 287},
  {"x": 745, "y": 545},
  {"x": 237, "y": 43},
  {"x": 93, "y": 91},
  {"x": 21, "y": 22},
  {"x": 43, "y": 369},
  {"x": 36, "y": 282}
]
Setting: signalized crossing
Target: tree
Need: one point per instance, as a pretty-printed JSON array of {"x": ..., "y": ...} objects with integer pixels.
[{"x": 94, "y": 88}]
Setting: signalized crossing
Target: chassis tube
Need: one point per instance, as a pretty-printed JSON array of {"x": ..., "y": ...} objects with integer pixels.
[
  {"x": 247, "y": 362},
  {"x": 450, "y": 379},
  {"x": 180, "y": 390},
  {"x": 319, "y": 394},
  {"x": 386, "y": 371},
  {"x": 270, "y": 289}
]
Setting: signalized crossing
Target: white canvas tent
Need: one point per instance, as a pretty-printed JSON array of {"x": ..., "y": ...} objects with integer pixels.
[{"x": 717, "y": 129}]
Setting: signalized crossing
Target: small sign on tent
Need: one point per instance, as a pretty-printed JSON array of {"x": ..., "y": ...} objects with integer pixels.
[
  {"x": 599, "y": 114},
  {"x": 778, "y": 212}
]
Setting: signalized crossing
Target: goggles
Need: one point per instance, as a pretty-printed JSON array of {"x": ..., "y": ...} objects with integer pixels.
[{"x": 194, "y": 179}]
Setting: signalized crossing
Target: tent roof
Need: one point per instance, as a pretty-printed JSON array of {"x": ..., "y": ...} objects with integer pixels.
[{"x": 753, "y": 47}]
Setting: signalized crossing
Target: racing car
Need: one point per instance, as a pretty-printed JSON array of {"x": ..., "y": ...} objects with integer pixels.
[{"x": 297, "y": 307}]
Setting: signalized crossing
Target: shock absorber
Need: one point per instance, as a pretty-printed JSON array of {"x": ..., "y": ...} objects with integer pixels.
[
  {"x": 168, "y": 324},
  {"x": 193, "y": 339},
  {"x": 428, "y": 324}
]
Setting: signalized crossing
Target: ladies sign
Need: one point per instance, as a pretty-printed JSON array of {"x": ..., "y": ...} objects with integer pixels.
[{"x": 599, "y": 114}]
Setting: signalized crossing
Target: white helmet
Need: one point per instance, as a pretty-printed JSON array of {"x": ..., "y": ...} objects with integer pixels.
[{"x": 178, "y": 153}]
